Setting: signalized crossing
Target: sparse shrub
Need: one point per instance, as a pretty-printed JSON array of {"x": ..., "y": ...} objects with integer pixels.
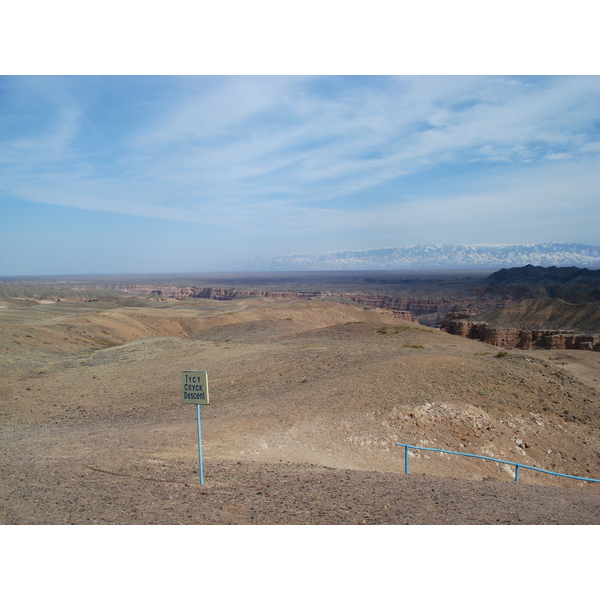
[
  {"x": 502, "y": 354},
  {"x": 395, "y": 329},
  {"x": 106, "y": 343},
  {"x": 413, "y": 346}
]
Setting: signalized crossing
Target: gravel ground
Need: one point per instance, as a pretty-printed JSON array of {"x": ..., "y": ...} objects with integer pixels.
[{"x": 243, "y": 492}]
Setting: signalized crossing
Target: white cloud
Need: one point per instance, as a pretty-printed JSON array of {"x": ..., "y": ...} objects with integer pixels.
[{"x": 258, "y": 153}]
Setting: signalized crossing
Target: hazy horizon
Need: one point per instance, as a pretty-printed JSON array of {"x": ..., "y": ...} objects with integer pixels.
[{"x": 271, "y": 266}]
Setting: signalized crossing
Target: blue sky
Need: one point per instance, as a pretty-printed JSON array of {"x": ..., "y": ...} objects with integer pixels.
[{"x": 121, "y": 174}]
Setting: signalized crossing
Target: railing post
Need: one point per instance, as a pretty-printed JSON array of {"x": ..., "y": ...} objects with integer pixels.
[{"x": 506, "y": 462}]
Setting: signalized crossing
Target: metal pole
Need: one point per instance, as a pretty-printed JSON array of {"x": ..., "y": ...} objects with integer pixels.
[
  {"x": 201, "y": 470},
  {"x": 406, "y": 459},
  {"x": 505, "y": 462}
]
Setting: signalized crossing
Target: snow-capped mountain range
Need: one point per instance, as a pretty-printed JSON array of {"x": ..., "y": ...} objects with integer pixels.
[{"x": 440, "y": 256}]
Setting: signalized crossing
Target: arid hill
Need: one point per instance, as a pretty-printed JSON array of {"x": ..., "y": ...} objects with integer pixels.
[{"x": 308, "y": 401}]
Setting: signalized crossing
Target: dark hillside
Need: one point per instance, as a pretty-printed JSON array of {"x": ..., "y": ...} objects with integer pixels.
[{"x": 571, "y": 284}]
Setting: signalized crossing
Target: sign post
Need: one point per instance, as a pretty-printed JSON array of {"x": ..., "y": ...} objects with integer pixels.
[
  {"x": 200, "y": 467},
  {"x": 194, "y": 390}
]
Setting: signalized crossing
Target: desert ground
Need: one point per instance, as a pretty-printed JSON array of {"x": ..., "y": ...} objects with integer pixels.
[{"x": 308, "y": 399}]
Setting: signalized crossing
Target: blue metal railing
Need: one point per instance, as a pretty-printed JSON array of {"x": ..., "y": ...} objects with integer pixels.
[{"x": 506, "y": 462}]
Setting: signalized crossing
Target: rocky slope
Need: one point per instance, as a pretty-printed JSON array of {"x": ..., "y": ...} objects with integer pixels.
[{"x": 542, "y": 323}]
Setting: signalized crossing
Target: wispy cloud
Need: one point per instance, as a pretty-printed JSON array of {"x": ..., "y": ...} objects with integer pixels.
[{"x": 298, "y": 153}]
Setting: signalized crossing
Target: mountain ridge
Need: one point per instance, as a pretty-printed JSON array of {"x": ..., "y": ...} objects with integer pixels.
[{"x": 440, "y": 256}]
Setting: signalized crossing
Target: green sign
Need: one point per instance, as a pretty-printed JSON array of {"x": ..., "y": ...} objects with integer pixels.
[{"x": 194, "y": 387}]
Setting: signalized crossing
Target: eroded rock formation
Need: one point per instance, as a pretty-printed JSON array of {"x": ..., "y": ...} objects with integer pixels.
[
  {"x": 526, "y": 339},
  {"x": 535, "y": 323}
]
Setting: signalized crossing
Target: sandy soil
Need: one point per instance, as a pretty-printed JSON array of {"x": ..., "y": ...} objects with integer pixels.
[{"x": 308, "y": 399}]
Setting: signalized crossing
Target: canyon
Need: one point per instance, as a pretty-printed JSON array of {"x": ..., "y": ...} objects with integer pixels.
[
  {"x": 545, "y": 308},
  {"x": 528, "y": 307}
]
